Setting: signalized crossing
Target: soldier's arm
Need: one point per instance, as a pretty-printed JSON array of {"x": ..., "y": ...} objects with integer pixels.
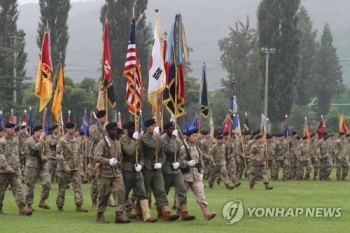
[
  {"x": 50, "y": 141},
  {"x": 211, "y": 154},
  {"x": 32, "y": 144},
  {"x": 99, "y": 152},
  {"x": 94, "y": 134},
  {"x": 3, "y": 161},
  {"x": 140, "y": 151},
  {"x": 128, "y": 147},
  {"x": 60, "y": 157},
  {"x": 183, "y": 157},
  {"x": 161, "y": 155}
]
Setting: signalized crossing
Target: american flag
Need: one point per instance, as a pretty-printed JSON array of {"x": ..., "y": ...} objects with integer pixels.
[{"x": 134, "y": 85}]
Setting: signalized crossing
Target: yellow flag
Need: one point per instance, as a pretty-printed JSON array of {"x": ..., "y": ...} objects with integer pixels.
[{"x": 57, "y": 100}]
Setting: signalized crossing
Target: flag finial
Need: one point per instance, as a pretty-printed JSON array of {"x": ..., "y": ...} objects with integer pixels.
[{"x": 286, "y": 116}]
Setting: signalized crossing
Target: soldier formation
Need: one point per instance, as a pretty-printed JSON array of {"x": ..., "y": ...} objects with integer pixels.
[{"x": 129, "y": 165}]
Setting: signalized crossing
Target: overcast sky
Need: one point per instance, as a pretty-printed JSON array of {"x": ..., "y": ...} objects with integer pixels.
[{"x": 36, "y": 1}]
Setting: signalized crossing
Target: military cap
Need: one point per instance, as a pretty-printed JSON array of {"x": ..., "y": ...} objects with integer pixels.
[
  {"x": 17, "y": 129},
  {"x": 101, "y": 113},
  {"x": 258, "y": 137},
  {"x": 348, "y": 135},
  {"x": 111, "y": 125},
  {"x": 204, "y": 132},
  {"x": 342, "y": 133},
  {"x": 325, "y": 133},
  {"x": 304, "y": 137},
  {"x": 120, "y": 131},
  {"x": 246, "y": 133},
  {"x": 10, "y": 125},
  {"x": 150, "y": 122},
  {"x": 23, "y": 126},
  {"x": 298, "y": 137},
  {"x": 37, "y": 128},
  {"x": 268, "y": 136},
  {"x": 312, "y": 135},
  {"x": 81, "y": 133},
  {"x": 54, "y": 127},
  {"x": 219, "y": 136},
  {"x": 280, "y": 135},
  {"x": 129, "y": 125},
  {"x": 225, "y": 134},
  {"x": 70, "y": 125},
  {"x": 190, "y": 132},
  {"x": 294, "y": 133},
  {"x": 168, "y": 125}
]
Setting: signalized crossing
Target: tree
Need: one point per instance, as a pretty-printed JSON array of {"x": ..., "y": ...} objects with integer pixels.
[
  {"x": 54, "y": 15},
  {"x": 328, "y": 79},
  {"x": 307, "y": 54},
  {"x": 277, "y": 28},
  {"x": 119, "y": 14}
]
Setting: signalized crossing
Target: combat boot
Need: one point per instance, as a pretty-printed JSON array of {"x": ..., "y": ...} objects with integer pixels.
[
  {"x": 251, "y": 187},
  {"x": 159, "y": 213},
  {"x": 129, "y": 215},
  {"x": 120, "y": 218},
  {"x": 24, "y": 211},
  {"x": 138, "y": 215},
  {"x": 94, "y": 204},
  {"x": 184, "y": 214},
  {"x": 43, "y": 205},
  {"x": 284, "y": 178},
  {"x": 146, "y": 214},
  {"x": 315, "y": 178},
  {"x": 237, "y": 184},
  {"x": 29, "y": 208},
  {"x": 2, "y": 212},
  {"x": 343, "y": 179},
  {"x": 267, "y": 187},
  {"x": 100, "y": 218},
  {"x": 166, "y": 214},
  {"x": 81, "y": 209},
  {"x": 84, "y": 180},
  {"x": 229, "y": 187},
  {"x": 206, "y": 213},
  {"x": 60, "y": 209}
]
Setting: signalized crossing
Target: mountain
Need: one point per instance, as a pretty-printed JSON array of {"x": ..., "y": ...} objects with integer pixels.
[{"x": 206, "y": 22}]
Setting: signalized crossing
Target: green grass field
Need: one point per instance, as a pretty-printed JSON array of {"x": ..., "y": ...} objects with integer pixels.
[{"x": 294, "y": 194}]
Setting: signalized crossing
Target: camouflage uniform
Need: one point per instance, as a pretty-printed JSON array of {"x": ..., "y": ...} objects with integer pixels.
[
  {"x": 23, "y": 153},
  {"x": 315, "y": 162},
  {"x": 303, "y": 160},
  {"x": 281, "y": 159},
  {"x": 205, "y": 146},
  {"x": 342, "y": 159},
  {"x": 217, "y": 155},
  {"x": 270, "y": 155},
  {"x": 293, "y": 151},
  {"x": 322, "y": 150},
  {"x": 51, "y": 164},
  {"x": 9, "y": 158},
  {"x": 68, "y": 159},
  {"x": 231, "y": 163},
  {"x": 36, "y": 169},
  {"x": 240, "y": 163}
]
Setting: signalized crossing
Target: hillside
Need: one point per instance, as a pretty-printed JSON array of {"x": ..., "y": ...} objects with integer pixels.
[{"x": 206, "y": 22}]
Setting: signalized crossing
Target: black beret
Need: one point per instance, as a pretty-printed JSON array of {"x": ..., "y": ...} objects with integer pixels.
[
  {"x": 325, "y": 133},
  {"x": 23, "y": 126},
  {"x": 258, "y": 131},
  {"x": 304, "y": 137},
  {"x": 190, "y": 132},
  {"x": 17, "y": 129},
  {"x": 312, "y": 135},
  {"x": 254, "y": 133},
  {"x": 54, "y": 127},
  {"x": 150, "y": 122},
  {"x": 294, "y": 133},
  {"x": 342, "y": 133},
  {"x": 70, "y": 125},
  {"x": 10, "y": 125},
  {"x": 348, "y": 135},
  {"x": 120, "y": 131},
  {"x": 111, "y": 125},
  {"x": 298, "y": 137},
  {"x": 246, "y": 133},
  {"x": 225, "y": 134},
  {"x": 37, "y": 128},
  {"x": 204, "y": 132},
  {"x": 168, "y": 125},
  {"x": 101, "y": 113},
  {"x": 219, "y": 136},
  {"x": 258, "y": 137},
  {"x": 129, "y": 125},
  {"x": 268, "y": 136},
  {"x": 217, "y": 132},
  {"x": 81, "y": 133}
]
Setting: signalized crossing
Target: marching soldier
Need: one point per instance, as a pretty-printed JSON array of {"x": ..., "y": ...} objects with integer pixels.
[
  {"x": 52, "y": 140},
  {"x": 230, "y": 148},
  {"x": 22, "y": 137},
  {"x": 303, "y": 160},
  {"x": 205, "y": 147},
  {"x": 151, "y": 147},
  {"x": 36, "y": 169},
  {"x": 281, "y": 158},
  {"x": 322, "y": 150},
  {"x": 314, "y": 157},
  {"x": 343, "y": 157},
  {"x": 68, "y": 169},
  {"x": 10, "y": 170},
  {"x": 293, "y": 151}
]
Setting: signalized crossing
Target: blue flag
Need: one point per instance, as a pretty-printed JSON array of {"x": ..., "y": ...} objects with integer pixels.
[
  {"x": 185, "y": 126},
  {"x": 194, "y": 124},
  {"x": 1, "y": 122},
  {"x": 85, "y": 126},
  {"x": 286, "y": 131},
  {"x": 46, "y": 124},
  {"x": 234, "y": 108}
]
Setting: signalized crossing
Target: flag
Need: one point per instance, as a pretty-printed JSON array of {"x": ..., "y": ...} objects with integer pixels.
[
  {"x": 1, "y": 121},
  {"x": 321, "y": 128},
  {"x": 106, "y": 84},
  {"x": 11, "y": 120},
  {"x": 85, "y": 126},
  {"x": 186, "y": 125},
  {"x": 342, "y": 125},
  {"x": 43, "y": 83},
  {"x": 156, "y": 81},
  {"x": 306, "y": 131},
  {"x": 141, "y": 125},
  {"x": 68, "y": 119},
  {"x": 119, "y": 122},
  {"x": 234, "y": 109},
  {"x": 134, "y": 84},
  {"x": 194, "y": 124},
  {"x": 25, "y": 119},
  {"x": 58, "y": 97},
  {"x": 46, "y": 123},
  {"x": 226, "y": 124},
  {"x": 263, "y": 123},
  {"x": 203, "y": 95},
  {"x": 286, "y": 131},
  {"x": 30, "y": 121},
  {"x": 246, "y": 127},
  {"x": 212, "y": 126},
  {"x": 176, "y": 57}
]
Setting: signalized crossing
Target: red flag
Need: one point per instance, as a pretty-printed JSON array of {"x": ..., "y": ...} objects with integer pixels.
[
  {"x": 68, "y": 120},
  {"x": 321, "y": 128},
  {"x": 226, "y": 124},
  {"x": 134, "y": 85},
  {"x": 25, "y": 120},
  {"x": 11, "y": 120},
  {"x": 342, "y": 125}
]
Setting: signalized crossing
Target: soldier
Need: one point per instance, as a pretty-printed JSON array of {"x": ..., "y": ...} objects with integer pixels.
[
  {"x": 192, "y": 171},
  {"x": 230, "y": 147},
  {"x": 205, "y": 146},
  {"x": 22, "y": 137},
  {"x": 81, "y": 141},
  {"x": 151, "y": 147},
  {"x": 314, "y": 157},
  {"x": 132, "y": 175},
  {"x": 281, "y": 161},
  {"x": 240, "y": 158},
  {"x": 52, "y": 140},
  {"x": 270, "y": 152},
  {"x": 110, "y": 180},
  {"x": 36, "y": 169},
  {"x": 322, "y": 150},
  {"x": 10, "y": 170},
  {"x": 68, "y": 169},
  {"x": 96, "y": 137},
  {"x": 303, "y": 160},
  {"x": 218, "y": 162},
  {"x": 293, "y": 151},
  {"x": 342, "y": 159},
  {"x": 171, "y": 172},
  {"x": 258, "y": 163}
]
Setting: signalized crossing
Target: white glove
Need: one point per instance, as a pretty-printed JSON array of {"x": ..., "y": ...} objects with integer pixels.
[
  {"x": 138, "y": 167},
  {"x": 176, "y": 165},
  {"x": 175, "y": 133},
  {"x": 156, "y": 130},
  {"x": 113, "y": 162},
  {"x": 136, "y": 135},
  {"x": 192, "y": 163},
  {"x": 157, "y": 166}
]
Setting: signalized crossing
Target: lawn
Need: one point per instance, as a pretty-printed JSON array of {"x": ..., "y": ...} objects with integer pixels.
[{"x": 289, "y": 194}]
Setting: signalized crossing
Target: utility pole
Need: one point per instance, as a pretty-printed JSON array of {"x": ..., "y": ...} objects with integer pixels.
[{"x": 267, "y": 51}]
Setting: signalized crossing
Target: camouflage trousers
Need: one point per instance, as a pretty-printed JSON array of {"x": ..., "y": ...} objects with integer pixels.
[
  {"x": 51, "y": 166},
  {"x": 16, "y": 187},
  {"x": 108, "y": 186},
  {"x": 231, "y": 169},
  {"x": 206, "y": 168},
  {"x": 284, "y": 164},
  {"x": 325, "y": 168},
  {"x": 300, "y": 168},
  {"x": 31, "y": 175},
  {"x": 342, "y": 167},
  {"x": 293, "y": 168},
  {"x": 239, "y": 166},
  {"x": 197, "y": 188},
  {"x": 219, "y": 170},
  {"x": 22, "y": 160},
  {"x": 315, "y": 162},
  {"x": 92, "y": 176},
  {"x": 255, "y": 171},
  {"x": 63, "y": 179}
]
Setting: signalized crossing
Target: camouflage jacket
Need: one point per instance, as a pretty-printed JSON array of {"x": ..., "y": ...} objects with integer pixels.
[
  {"x": 22, "y": 138},
  {"x": 171, "y": 148},
  {"x": 322, "y": 149},
  {"x": 9, "y": 156},
  {"x": 196, "y": 172},
  {"x": 129, "y": 147},
  {"x": 270, "y": 150},
  {"x": 340, "y": 147},
  {"x": 151, "y": 146},
  {"x": 217, "y": 154},
  {"x": 52, "y": 140},
  {"x": 280, "y": 150},
  {"x": 205, "y": 147},
  {"x": 35, "y": 149},
  {"x": 102, "y": 156},
  {"x": 96, "y": 137},
  {"x": 67, "y": 153},
  {"x": 257, "y": 154},
  {"x": 293, "y": 148},
  {"x": 303, "y": 152}
]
